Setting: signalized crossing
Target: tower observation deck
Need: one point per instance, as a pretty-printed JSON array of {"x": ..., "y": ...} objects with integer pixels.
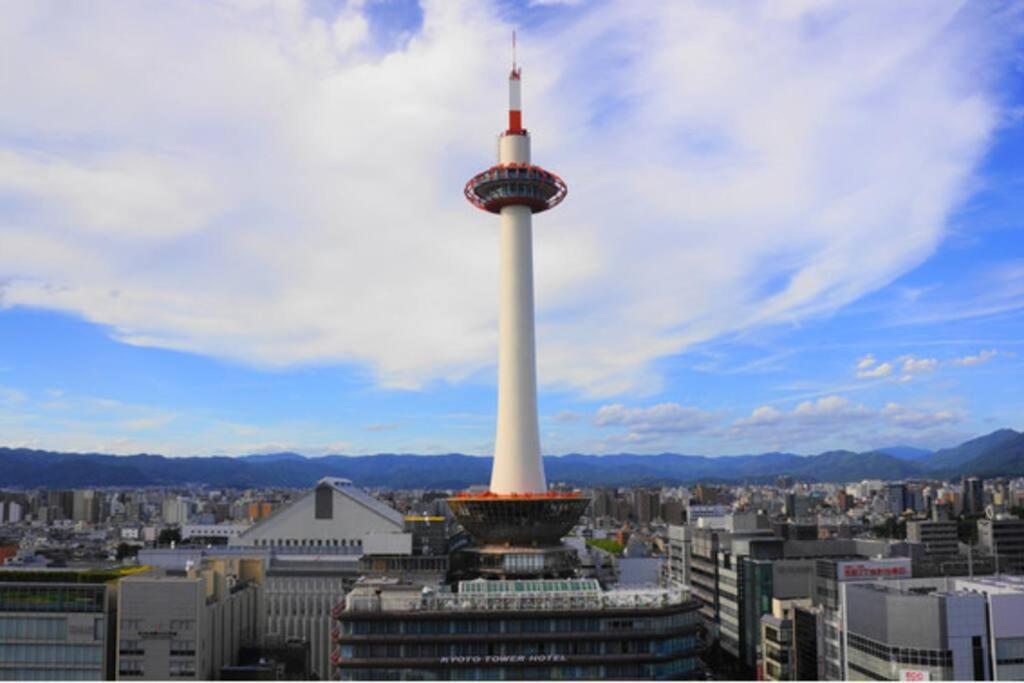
[{"x": 518, "y": 510}]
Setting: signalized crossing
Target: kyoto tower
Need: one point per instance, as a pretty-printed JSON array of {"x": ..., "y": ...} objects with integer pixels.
[{"x": 518, "y": 511}]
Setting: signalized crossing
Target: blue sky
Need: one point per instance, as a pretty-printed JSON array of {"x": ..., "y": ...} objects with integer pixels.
[{"x": 237, "y": 227}]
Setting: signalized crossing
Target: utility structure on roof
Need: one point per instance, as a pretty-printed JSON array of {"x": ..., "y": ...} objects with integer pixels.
[{"x": 518, "y": 512}]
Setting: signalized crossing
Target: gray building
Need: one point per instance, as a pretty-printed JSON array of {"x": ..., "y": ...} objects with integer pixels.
[
  {"x": 187, "y": 625},
  {"x": 1003, "y": 536},
  {"x": 1005, "y": 596},
  {"x": 51, "y": 629},
  {"x": 677, "y": 547},
  {"x": 939, "y": 538},
  {"x": 896, "y": 497},
  {"x": 973, "y": 496},
  {"x": 894, "y": 633}
]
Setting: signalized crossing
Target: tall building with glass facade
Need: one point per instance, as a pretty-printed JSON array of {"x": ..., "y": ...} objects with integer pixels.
[{"x": 55, "y": 630}]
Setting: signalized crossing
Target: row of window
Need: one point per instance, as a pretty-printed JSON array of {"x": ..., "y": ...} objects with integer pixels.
[
  {"x": 493, "y": 649},
  {"x": 668, "y": 670},
  {"x": 33, "y": 628},
  {"x": 43, "y": 674},
  {"x": 52, "y": 598},
  {"x": 901, "y": 655},
  {"x": 310, "y": 542},
  {"x": 31, "y": 653},
  {"x": 460, "y": 626},
  {"x": 174, "y": 625}
]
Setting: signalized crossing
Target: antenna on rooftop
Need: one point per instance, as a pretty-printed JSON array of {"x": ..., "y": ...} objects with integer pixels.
[{"x": 513, "y": 49}]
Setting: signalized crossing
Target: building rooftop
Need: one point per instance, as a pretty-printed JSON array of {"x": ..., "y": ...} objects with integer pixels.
[
  {"x": 1000, "y": 583},
  {"x": 528, "y": 595}
]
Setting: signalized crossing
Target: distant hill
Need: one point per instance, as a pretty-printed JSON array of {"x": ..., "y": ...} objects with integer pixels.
[
  {"x": 951, "y": 459},
  {"x": 908, "y": 453},
  {"x": 998, "y": 453},
  {"x": 1005, "y": 458}
]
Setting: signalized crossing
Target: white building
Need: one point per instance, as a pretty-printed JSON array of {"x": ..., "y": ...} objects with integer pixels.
[
  {"x": 335, "y": 517},
  {"x": 316, "y": 543},
  {"x": 225, "y": 532}
]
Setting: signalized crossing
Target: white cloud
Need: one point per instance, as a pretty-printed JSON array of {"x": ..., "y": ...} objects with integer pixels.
[
  {"x": 880, "y": 370},
  {"x": 901, "y": 416},
  {"x": 836, "y": 419},
  {"x": 663, "y": 418},
  {"x": 255, "y": 182},
  {"x": 981, "y": 357},
  {"x": 913, "y": 366}
]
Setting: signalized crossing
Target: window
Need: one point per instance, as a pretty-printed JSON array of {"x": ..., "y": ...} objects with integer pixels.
[
  {"x": 130, "y": 667},
  {"x": 324, "y": 502}
]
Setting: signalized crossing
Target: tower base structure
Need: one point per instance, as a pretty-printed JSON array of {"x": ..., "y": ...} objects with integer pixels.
[
  {"x": 515, "y": 562},
  {"x": 517, "y": 535}
]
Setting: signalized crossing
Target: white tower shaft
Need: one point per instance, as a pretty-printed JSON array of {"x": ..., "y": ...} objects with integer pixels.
[{"x": 518, "y": 467}]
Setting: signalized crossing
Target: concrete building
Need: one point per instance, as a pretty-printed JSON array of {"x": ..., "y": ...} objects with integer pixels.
[
  {"x": 939, "y": 538},
  {"x": 831, "y": 577},
  {"x": 777, "y": 649},
  {"x": 541, "y": 629},
  {"x": 896, "y": 498},
  {"x": 1005, "y": 598},
  {"x": 212, "y": 533},
  {"x": 335, "y": 517},
  {"x": 86, "y": 506},
  {"x": 973, "y": 492},
  {"x": 57, "y": 625},
  {"x": 677, "y": 545},
  {"x": 298, "y": 596},
  {"x": 176, "y": 510},
  {"x": 190, "y": 625},
  {"x": 808, "y": 643},
  {"x": 893, "y": 633},
  {"x": 1004, "y": 538}
]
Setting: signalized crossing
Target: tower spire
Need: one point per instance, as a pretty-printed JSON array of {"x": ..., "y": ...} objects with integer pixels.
[{"x": 515, "y": 104}]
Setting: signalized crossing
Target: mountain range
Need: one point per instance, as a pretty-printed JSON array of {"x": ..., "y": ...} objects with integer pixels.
[{"x": 1000, "y": 453}]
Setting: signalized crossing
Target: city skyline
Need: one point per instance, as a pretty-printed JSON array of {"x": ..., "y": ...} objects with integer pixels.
[{"x": 248, "y": 237}]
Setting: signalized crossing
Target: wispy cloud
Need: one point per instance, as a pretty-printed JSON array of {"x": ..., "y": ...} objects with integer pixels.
[
  {"x": 283, "y": 220},
  {"x": 382, "y": 427},
  {"x": 910, "y": 366},
  {"x": 977, "y": 359},
  {"x": 833, "y": 419}
]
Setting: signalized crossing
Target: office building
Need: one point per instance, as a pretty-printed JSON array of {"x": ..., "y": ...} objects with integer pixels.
[
  {"x": 1005, "y": 618},
  {"x": 831, "y": 576},
  {"x": 187, "y": 625},
  {"x": 897, "y": 499},
  {"x": 677, "y": 547},
  {"x": 57, "y": 625},
  {"x": 939, "y": 538},
  {"x": 973, "y": 492},
  {"x": 777, "y": 649},
  {"x": 808, "y": 643},
  {"x": 893, "y": 633}
]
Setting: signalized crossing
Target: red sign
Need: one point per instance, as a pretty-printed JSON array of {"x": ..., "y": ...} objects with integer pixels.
[{"x": 867, "y": 570}]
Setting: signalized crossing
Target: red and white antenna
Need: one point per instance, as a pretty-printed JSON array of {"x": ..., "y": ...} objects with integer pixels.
[{"x": 515, "y": 98}]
